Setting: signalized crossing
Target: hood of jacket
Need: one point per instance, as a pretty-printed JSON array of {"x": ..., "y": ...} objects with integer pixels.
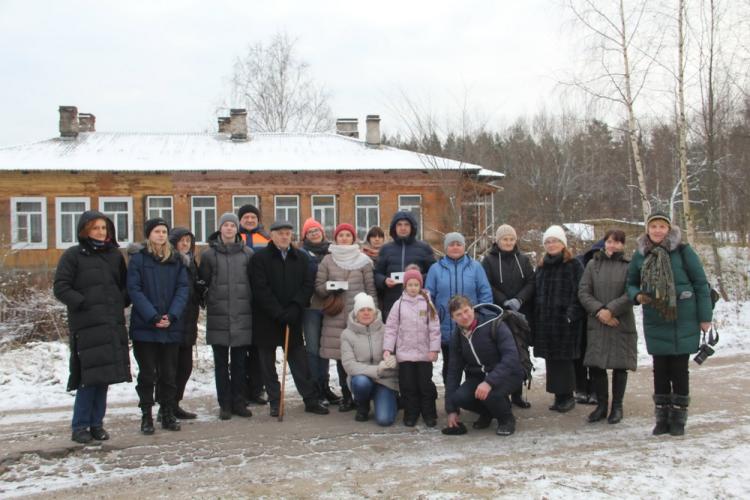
[
  {"x": 177, "y": 233},
  {"x": 360, "y": 329},
  {"x": 671, "y": 242},
  {"x": 90, "y": 215},
  {"x": 407, "y": 216},
  {"x": 495, "y": 250},
  {"x": 617, "y": 256},
  {"x": 215, "y": 242}
]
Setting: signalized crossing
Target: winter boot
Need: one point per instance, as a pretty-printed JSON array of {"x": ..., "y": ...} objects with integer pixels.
[
  {"x": 619, "y": 381},
  {"x": 225, "y": 413},
  {"x": 99, "y": 434},
  {"x": 168, "y": 420},
  {"x": 662, "y": 411},
  {"x": 516, "y": 398},
  {"x": 82, "y": 436},
  {"x": 678, "y": 416},
  {"x": 363, "y": 411},
  {"x": 147, "y": 421},
  {"x": 599, "y": 382},
  {"x": 184, "y": 415},
  {"x": 484, "y": 421},
  {"x": 327, "y": 393},
  {"x": 567, "y": 403},
  {"x": 317, "y": 408},
  {"x": 506, "y": 425},
  {"x": 347, "y": 403}
]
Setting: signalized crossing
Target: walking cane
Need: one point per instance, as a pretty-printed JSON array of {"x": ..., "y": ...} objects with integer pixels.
[{"x": 283, "y": 374}]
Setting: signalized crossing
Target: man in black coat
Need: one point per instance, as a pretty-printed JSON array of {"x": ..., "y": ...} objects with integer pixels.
[
  {"x": 483, "y": 346},
  {"x": 282, "y": 286},
  {"x": 405, "y": 249}
]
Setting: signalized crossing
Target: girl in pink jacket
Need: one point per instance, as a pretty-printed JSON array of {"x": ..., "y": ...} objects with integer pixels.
[{"x": 412, "y": 334}]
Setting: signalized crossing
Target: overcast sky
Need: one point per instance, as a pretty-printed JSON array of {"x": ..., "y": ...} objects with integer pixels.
[{"x": 163, "y": 65}]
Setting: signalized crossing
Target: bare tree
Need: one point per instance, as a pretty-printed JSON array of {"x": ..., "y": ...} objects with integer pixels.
[
  {"x": 276, "y": 88},
  {"x": 682, "y": 123}
]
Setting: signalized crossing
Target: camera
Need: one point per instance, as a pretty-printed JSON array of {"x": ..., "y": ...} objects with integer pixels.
[{"x": 704, "y": 351}]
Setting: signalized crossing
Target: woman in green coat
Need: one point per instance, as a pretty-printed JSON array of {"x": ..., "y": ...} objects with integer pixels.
[{"x": 666, "y": 277}]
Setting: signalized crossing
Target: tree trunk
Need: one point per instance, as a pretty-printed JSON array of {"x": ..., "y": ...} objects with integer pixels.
[{"x": 682, "y": 126}]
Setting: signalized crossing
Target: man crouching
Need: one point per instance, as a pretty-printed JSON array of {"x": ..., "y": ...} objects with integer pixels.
[{"x": 483, "y": 346}]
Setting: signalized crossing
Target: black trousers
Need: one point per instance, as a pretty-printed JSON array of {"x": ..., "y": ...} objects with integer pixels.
[
  {"x": 184, "y": 369},
  {"x": 671, "y": 374},
  {"x": 445, "y": 349},
  {"x": 297, "y": 358},
  {"x": 345, "y": 392},
  {"x": 418, "y": 392},
  {"x": 253, "y": 375},
  {"x": 561, "y": 376},
  {"x": 229, "y": 374},
  {"x": 496, "y": 405},
  {"x": 157, "y": 364}
]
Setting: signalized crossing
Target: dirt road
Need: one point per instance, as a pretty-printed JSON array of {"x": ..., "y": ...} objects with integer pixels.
[{"x": 551, "y": 455}]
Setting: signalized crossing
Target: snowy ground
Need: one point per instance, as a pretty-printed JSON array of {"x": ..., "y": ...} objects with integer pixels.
[{"x": 550, "y": 456}]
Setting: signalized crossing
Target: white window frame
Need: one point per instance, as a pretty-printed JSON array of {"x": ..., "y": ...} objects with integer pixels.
[
  {"x": 407, "y": 208},
  {"x": 329, "y": 228},
  {"x": 193, "y": 209},
  {"x": 236, "y": 206},
  {"x": 119, "y": 199},
  {"x": 160, "y": 209},
  {"x": 26, "y": 245},
  {"x": 297, "y": 227},
  {"x": 58, "y": 219},
  {"x": 369, "y": 223}
]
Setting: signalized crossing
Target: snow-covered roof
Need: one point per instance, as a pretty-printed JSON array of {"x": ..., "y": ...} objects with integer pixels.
[
  {"x": 148, "y": 152},
  {"x": 584, "y": 232}
]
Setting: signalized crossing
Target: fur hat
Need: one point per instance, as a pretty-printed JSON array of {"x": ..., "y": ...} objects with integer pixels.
[
  {"x": 362, "y": 300},
  {"x": 413, "y": 274},
  {"x": 555, "y": 232},
  {"x": 658, "y": 215},
  {"x": 153, "y": 223},
  {"x": 246, "y": 209},
  {"x": 229, "y": 217},
  {"x": 345, "y": 227},
  {"x": 453, "y": 238},
  {"x": 309, "y": 224},
  {"x": 505, "y": 230}
]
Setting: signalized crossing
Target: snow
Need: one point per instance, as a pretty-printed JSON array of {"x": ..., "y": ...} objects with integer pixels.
[
  {"x": 147, "y": 152},
  {"x": 584, "y": 232}
]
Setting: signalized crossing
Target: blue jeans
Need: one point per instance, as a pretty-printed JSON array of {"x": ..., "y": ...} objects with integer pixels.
[
  {"x": 312, "y": 324},
  {"x": 366, "y": 389},
  {"x": 89, "y": 407}
]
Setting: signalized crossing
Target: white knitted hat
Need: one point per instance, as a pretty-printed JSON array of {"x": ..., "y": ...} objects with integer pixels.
[
  {"x": 362, "y": 300},
  {"x": 555, "y": 232}
]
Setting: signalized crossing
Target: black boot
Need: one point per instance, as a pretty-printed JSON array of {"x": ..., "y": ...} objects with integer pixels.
[
  {"x": 662, "y": 411},
  {"x": 484, "y": 421},
  {"x": 82, "y": 436},
  {"x": 506, "y": 425},
  {"x": 316, "y": 408},
  {"x": 599, "y": 383},
  {"x": 239, "y": 409},
  {"x": 363, "y": 411},
  {"x": 516, "y": 398},
  {"x": 147, "y": 421},
  {"x": 619, "y": 381},
  {"x": 327, "y": 393},
  {"x": 567, "y": 403},
  {"x": 184, "y": 415},
  {"x": 168, "y": 420},
  {"x": 678, "y": 416},
  {"x": 347, "y": 403},
  {"x": 99, "y": 434}
]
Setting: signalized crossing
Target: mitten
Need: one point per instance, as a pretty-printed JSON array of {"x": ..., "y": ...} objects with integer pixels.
[{"x": 513, "y": 304}]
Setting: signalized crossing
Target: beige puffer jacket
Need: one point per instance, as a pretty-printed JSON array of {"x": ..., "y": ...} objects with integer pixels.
[{"x": 362, "y": 351}]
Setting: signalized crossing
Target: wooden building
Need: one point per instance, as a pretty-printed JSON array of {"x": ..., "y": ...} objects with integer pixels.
[{"x": 191, "y": 179}]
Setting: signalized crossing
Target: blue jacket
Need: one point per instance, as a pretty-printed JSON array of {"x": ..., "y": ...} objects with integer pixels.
[
  {"x": 156, "y": 288},
  {"x": 449, "y": 277},
  {"x": 396, "y": 255}
]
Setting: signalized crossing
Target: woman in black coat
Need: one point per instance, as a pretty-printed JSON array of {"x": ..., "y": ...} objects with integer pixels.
[
  {"x": 557, "y": 317},
  {"x": 511, "y": 277},
  {"x": 159, "y": 288},
  {"x": 91, "y": 280}
]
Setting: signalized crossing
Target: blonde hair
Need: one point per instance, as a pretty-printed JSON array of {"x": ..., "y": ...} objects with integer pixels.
[
  {"x": 430, "y": 305},
  {"x": 162, "y": 254}
]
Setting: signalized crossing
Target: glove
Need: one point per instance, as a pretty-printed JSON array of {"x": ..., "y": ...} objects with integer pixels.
[
  {"x": 390, "y": 363},
  {"x": 513, "y": 304}
]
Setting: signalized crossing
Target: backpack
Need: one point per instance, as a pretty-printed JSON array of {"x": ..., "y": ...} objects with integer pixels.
[
  {"x": 522, "y": 336},
  {"x": 712, "y": 292}
]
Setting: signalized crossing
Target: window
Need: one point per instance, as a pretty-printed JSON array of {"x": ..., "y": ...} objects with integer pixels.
[
  {"x": 412, "y": 203},
  {"x": 287, "y": 208},
  {"x": 324, "y": 211},
  {"x": 367, "y": 214},
  {"x": 160, "y": 206},
  {"x": 204, "y": 217},
  {"x": 120, "y": 210},
  {"x": 68, "y": 212},
  {"x": 245, "y": 199},
  {"x": 28, "y": 220}
]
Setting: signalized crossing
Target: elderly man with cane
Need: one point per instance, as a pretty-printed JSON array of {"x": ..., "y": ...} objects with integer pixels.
[{"x": 282, "y": 285}]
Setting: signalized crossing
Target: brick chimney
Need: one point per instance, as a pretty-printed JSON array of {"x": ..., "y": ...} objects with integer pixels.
[
  {"x": 86, "y": 122},
  {"x": 224, "y": 124},
  {"x": 68, "y": 121},
  {"x": 348, "y": 127},
  {"x": 238, "y": 124},
  {"x": 373, "y": 130}
]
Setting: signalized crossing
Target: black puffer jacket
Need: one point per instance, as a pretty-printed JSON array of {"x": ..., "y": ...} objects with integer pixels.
[
  {"x": 396, "y": 255},
  {"x": 192, "y": 309},
  {"x": 92, "y": 283},
  {"x": 511, "y": 276}
]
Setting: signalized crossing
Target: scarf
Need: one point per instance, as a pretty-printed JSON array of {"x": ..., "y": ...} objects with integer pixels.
[
  {"x": 371, "y": 252},
  {"x": 319, "y": 250},
  {"x": 348, "y": 257},
  {"x": 98, "y": 245},
  {"x": 657, "y": 281}
]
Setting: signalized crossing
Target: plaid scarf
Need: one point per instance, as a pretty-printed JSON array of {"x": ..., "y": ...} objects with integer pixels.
[{"x": 657, "y": 281}]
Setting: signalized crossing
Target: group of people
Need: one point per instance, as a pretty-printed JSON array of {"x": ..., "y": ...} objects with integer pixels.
[{"x": 385, "y": 312}]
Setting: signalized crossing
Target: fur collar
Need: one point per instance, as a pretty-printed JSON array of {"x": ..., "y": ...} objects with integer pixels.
[{"x": 672, "y": 242}]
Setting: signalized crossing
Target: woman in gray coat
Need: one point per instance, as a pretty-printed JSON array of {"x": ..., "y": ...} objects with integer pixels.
[
  {"x": 225, "y": 267},
  {"x": 348, "y": 264},
  {"x": 612, "y": 336}
]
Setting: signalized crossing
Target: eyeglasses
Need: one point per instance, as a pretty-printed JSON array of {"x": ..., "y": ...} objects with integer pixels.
[{"x": 313, "y": 231}]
